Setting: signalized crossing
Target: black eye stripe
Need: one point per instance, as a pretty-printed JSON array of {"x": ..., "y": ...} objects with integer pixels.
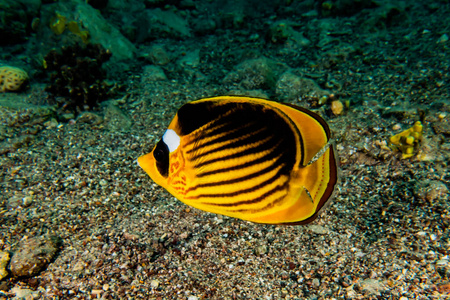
[{"x": 161, "y": 155}]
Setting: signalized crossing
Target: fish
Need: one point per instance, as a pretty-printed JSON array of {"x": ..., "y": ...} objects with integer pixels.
[{"x": 248, "y": 158}]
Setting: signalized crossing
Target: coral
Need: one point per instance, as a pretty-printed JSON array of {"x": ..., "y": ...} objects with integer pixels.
[
  {"x": 11, "y": 78},
  {"x": 407, "y": 141},
  {"x": 59, "y": 24},
  {"x": 77, "y": 77}
]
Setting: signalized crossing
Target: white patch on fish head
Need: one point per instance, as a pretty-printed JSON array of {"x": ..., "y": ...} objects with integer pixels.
[{"x": 171, "y": 139}]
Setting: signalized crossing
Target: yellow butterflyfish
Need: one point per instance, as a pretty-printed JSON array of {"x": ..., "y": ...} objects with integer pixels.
[{"x": 247, "y": 158}]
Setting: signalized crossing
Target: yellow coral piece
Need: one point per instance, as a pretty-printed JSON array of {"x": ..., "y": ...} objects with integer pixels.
[
  {"x": 75, "y": 29},
  {"x": 58, "y": 24},
  {"x": 11, "y": 78},
  {"x": 407, "y": 141}
]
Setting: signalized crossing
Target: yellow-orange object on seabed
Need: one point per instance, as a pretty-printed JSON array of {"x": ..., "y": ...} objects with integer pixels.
[
  {"x": 408, "y": 140},
  {"x": 246, "y": 158}
]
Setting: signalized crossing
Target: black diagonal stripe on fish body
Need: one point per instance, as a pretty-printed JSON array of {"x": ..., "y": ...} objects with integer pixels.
[
  {"x": 223, "y": 134},
  {"x": 194, "y": 115},
  {"x": 279, "y": 188},
  {"x": 250, "y": 189},
  {"x": 264, "y": 208},
  {"x": 271, "y": 155},
  {"x": 240, "y": 139},
  {"x": 269, "y": 144},
  {"x": 239, "y": 118},
  {"x": 241, "y": 179}
]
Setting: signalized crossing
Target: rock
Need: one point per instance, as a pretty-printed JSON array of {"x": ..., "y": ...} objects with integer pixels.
[
  {"x": 4, "y": 260},
  {"x": 281, "y": 32},
  {"x": 99, "y": 29},
  {"x": 158, "y": 55},
  {"x": 190, "y": 60},
  {"x": 385, "y": 15},
  {"x": 337, "y": 107},
  {"x": 431, "y": 191},
  {"x": 290, "y": 87},
  {"x": 24, "y": 294},
  {"x": 372, "y": 286},
  {"x": 103, "y": 33},
  {"x": 156, "y": 23},
  {"x": 116, "y": 119},
  {"x": 258, "y": 73},
  {"x": 317, "y": 229},
  {"x": 34, "y": 255},
  {"x": 151, "y": 74},
  {"x": 443, "y": 268},
  {"x": 154, "y": 283},
  {"x": 261, "y": 250},
  {"x": 16, "y": 17},
  {"x": 441, "y": 128}
]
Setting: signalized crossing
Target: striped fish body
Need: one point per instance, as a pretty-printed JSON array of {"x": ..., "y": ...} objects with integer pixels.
[{"x": 246, "y": 158}]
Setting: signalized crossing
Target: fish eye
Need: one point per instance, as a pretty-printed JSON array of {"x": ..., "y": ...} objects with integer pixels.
[
  {"x": 161, "y": 155},
  {"x": 161, "y": 152}
]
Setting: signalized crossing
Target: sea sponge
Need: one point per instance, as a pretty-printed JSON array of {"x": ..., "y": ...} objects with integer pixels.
[
  {"x": 11, "y": 78},
  {"x": 76, "y": 76},
  {"x": 407, "y": 141}
]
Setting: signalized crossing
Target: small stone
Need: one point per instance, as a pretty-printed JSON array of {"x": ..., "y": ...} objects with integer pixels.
[
  {"x": 436, "y": 190},
  {"x": 291, "y": 86},
  {"x": 372, "y": 286},
  {"x": 191, "y": 59},
  {"x": 13, "y": 202},
  {"x": 4, "y": 260},
  {"x": 158, "y": 55},
  {"x": 317, "y": 229},
  {"x": 316, "y": 282},
  {"x": 33, "y": 255},
  {"x": 443, "y": 268},
  {"x": 24, "y": 293},
  {"x": 443, "y": 38},
  {"x": 26, "y": 201},
  {"x": 153, "y": 73},
  {"x": 337, "y": 107},
  {"x": 154, "y": 283},
  {"x": 192, "y": 298},
  {"x": 261, "y": 250},
  {"x": 396, "y": 127}
]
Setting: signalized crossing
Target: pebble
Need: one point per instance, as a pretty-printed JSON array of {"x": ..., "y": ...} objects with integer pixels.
[
  {"x": 436, "y": 190},
  {"x": 317, "y": 229},
  {"x": 337, "y": 107},
  {"x": 154, "y": 283},
  {"x": 443, "y": 38},
  {"x": 26, "y": 294},
  {"x": 372, "y": 286},
  {"x": 261, "y": 250},
  {"x": 158, "y": 55},
  {"x": 192, "y": 298},
  {"x": 33, "y": 255},
  {"x": 316, "y": 282},
  {"x": 4, "y": 260}
]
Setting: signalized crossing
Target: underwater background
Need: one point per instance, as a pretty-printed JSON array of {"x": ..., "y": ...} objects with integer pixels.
[{"x": 87, "y": 86}]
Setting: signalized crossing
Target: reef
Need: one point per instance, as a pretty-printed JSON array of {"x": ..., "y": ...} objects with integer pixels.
[
  {"x": 12, "y": 79},
  {"x": 77, "y": 80}
]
